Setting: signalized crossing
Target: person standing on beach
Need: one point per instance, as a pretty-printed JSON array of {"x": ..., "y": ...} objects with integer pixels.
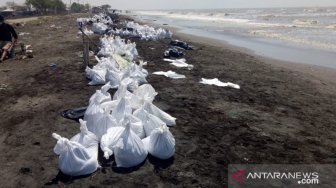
[{"x": 8, "y": 38}]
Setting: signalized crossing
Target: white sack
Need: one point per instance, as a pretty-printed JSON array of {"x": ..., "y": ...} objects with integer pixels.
[
  {"x": 122, "y": 92},
  {"x": 102, "y": 95},
  {"x": 87, "y": 139},
  {"x": 106, "y": 63},
  {"x": 109, "y": 105},
  {"x": 146, "y": 92},
  {"x": 129, "y": 150},
  {"x": 131, "y": 83},
  {"x": 113, "y": 77},
  {"x": 97, "y": 76},
  {"x": 121, "y": 110},
  {"x": 109, "y": 140},
  {"x": 93, "y": 112},
  {"x": 136, "y": 125},
  {"x": 154, "y": 110},
  {"x": 99, "y": 28},
  {"x": 77, "y": 156},
  {"x": 141, "y": 114},
  {"x": 102, "y": 124},
  {"x": 160, "y": 143},
  {"x": 152, "y": 123}
]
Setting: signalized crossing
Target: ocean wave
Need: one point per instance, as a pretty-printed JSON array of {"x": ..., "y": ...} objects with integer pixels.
[
  {"x": 312, "y": 26},
  {"x": 331, "y": 26},
  {"x": 305, "y": 22},
  {"x": 213, "y": 17},
  {"x": 296, "y": 38}
]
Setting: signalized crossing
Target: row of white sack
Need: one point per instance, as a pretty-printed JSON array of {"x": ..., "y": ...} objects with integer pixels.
[
  {"x": 119, "y": 124},
  {"x": 100, "y": 23},
  {"x": 110, "y": 45},
  {"x": 97, "y": 18},
  {"x": 146, "y": 32},
  {"x": 109, "y": 70},
  {"x": 79, "y": 155},
  {"x": 114, "y": 68}
]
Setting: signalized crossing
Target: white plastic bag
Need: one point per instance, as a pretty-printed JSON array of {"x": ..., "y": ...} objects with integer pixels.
[
  {"x": 93, "y": 112},
  {"x": 99, "y": 28},
  {"x": 121, "y": 110},
  {"x": 109, "y": 105},
  {"x": 102, "y": 95},
  {"x": 132, "y": 84},
  {"x": 122, "y": 92},
  {"x": 141, "y": 114},
  {"x": 165, "y": 117},
  {"x": 102, "y": 124},
  {"x": 152, "y": 123},
  {"x": 141, "y": 94},
  {"x": 136, "y": 125},
  {"x": 113, "y": 77},
  {"x": 87, "y": 138},
  {"x": 138, "y": 73},
  {"x": 107, "y": 63},
  {"x": 108, "y": 140},
  {"x": 129, "y": 150},
  {"x": 77, "y": 156},
  {"x": 145, "y": 93},
  {"x": 97, "y": 76},
  {"x": 160, "y": 143}
]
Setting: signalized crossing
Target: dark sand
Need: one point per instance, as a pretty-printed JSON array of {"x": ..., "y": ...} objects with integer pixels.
[{"x": 278, "y": 115}]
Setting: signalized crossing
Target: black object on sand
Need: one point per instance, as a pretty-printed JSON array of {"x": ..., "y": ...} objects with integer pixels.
[
  {"x": 173, "y": 52},
  {"x": 180, "y": 44},
  {"x": 74, "y": 114}
]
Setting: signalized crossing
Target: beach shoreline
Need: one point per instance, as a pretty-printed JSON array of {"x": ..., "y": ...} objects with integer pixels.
[{"x": 318, "y": 73}]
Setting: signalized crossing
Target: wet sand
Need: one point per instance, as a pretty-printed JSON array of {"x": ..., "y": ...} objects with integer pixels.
[{"x": 278, "y": 116}]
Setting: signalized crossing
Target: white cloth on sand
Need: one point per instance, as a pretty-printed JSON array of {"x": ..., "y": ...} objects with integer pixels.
[
  {"x": 180, "y": 63},
  {"x": 216, "y": 82},
  {"x": 169, "y": 74}
]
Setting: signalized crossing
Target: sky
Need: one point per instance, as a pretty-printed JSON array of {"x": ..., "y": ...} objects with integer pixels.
[{"x": 198, "y": 4}]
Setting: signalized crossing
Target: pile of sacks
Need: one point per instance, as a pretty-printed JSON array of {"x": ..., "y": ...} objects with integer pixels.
[
  {"x": 127, "y": 125},
  {"x": 102, "y": 18},
  {"x": 100, "y": 23},
  {"x": 110, "y": 45},
  {"x": 117, "y": 64},
  {"x": 97, "y": 18},
  {"x": 145, "y": 32}
]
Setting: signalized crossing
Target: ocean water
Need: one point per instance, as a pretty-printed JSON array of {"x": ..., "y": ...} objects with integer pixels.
[{"x": 304, "y": 35}]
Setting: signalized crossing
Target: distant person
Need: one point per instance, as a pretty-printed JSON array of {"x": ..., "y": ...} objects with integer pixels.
[{"x": 8, "y": 38}]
